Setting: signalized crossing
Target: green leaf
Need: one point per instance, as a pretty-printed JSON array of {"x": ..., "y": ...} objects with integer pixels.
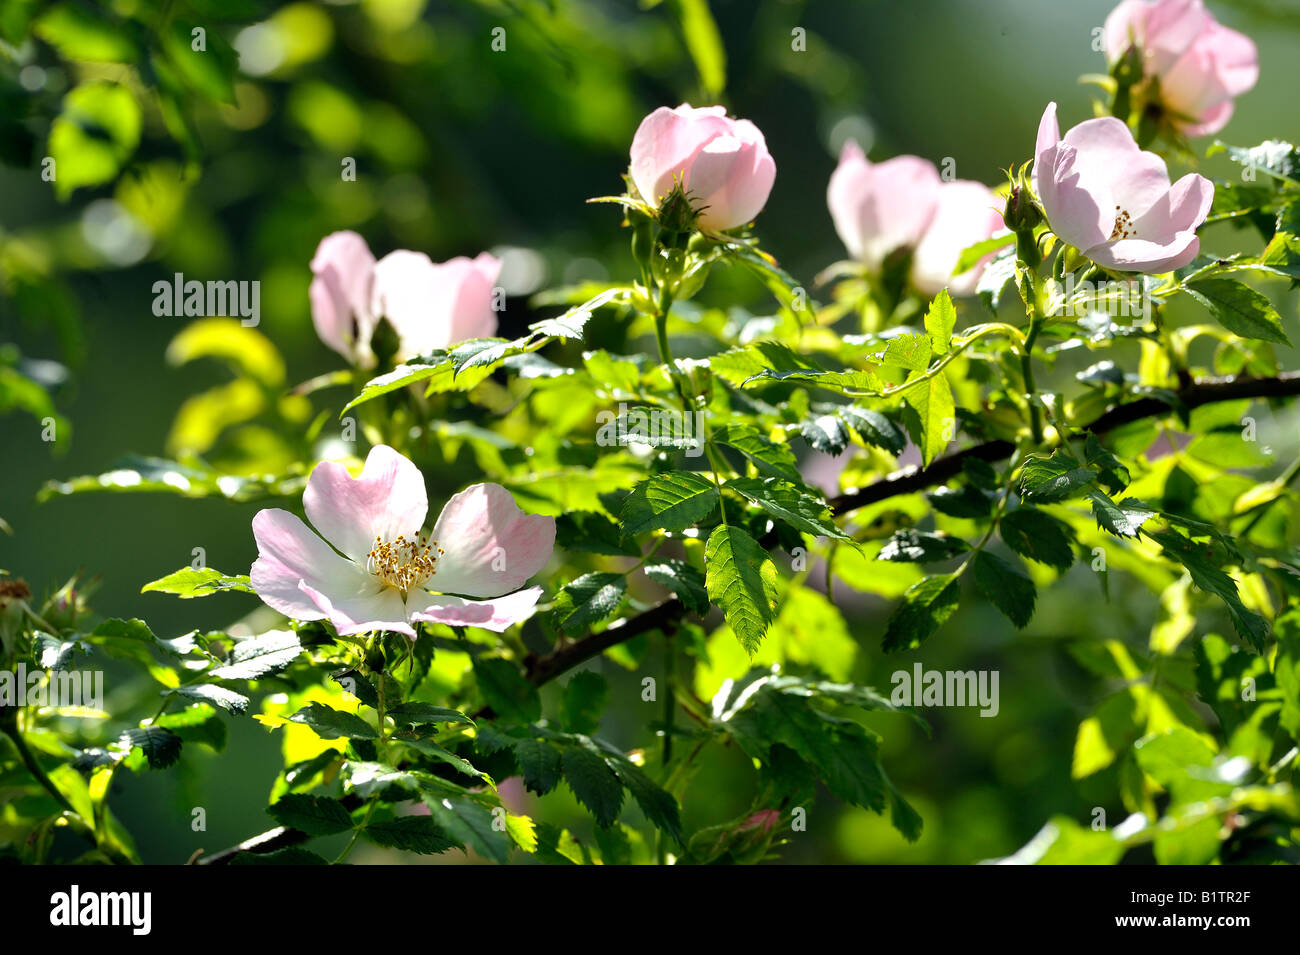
[
  {"x": 228, "y": 700},
  {"x": 933, "y": 403},
  {"x": 93, "y": 137},
  {"x": 419, "y": 713},
  {"x": 874, "y": 428},
  {"x": 314, "y": 815},
  {"x": 940, "y": 320},
  {"x": 211, "y": 70},
  {"x": 504, "y": 688},
  {"x": 826, "y": 433},
  {"x": 1239, "y": 308},
  {"x": 656, "y": 803},
  {"x": 329, "y": 723},
  {"x": 593, "y": 783},
  {"x": 786, "y": 502},
  {"x": 443, "y": 755},
  {"x": 470, "y": 824},
  {"x": 256, "y": 657},
  {"x": 1248, "y": 624},
  {"x": 907, "y": 351},
  {"x": 683, "y": 580},
  {"x": 970, "y": 257},
  {"x": 924, "y": 608},
  {"x": 1272, "y": 157},
  {"x": 771, "y": 458},
  {"x": 854, "y": 383},
  {"x": 588, "y": 600},
  {"x": 921, "y": 547},
  {"x": 1006, "y": 586},
  {"x": 1121, "y": 518},
  {"x": 410, "y": 834},
  {"x": 540, "y": 764},
  {"x": 161, "y": 747},
  {"x": 189, "y": 582},
  {"x": 585, "y": 697},
  {"x": 79, "y": 34},
  {"x": 1053, "y": 478},
  {"x": 704, "y": 43},
  {"x": 673, "y": 502},
  {"x": 1037, "y": 535},
  {"x": 741, "y": 581},
  {"x": 196, "y": 724}
]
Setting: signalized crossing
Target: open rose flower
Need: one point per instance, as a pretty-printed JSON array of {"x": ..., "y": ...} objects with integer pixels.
[
  {"x": 368, "y": 567},
  {"x": 1112, "y": 200},
  {"x": 1199, "y": 65},
  {"x": 902, "y": 203},
  {"x": 967, "y": 213},
  {"x": 342, "y": 271},
  {"x": 433, "y": 305},
  {"x": 723, "y": 164}
]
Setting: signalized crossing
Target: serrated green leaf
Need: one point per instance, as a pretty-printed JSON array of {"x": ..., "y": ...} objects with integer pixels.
[
  {"x": 673, "y": 502},
  {"x": 741, "y": 581},
  {"x": 683, "y": 580},
  {"x": 410, "y": 834},
  {"x": 593, "y": 783},
  {"x": 923, "y": 609},
  {"x": 1239, "y": 308},
  {"x": 540, "y": 764},
  {"x": 1037, "y": 535},
  {"x": 588, "y": 600},
  {"x": 314, "y": 815},
  {"x": 933, "y": 403},
  {"x": 786, "y": 502},
  {"x": 584, "y": 700},
  {"x": 329, "y": 723},
  {"x": 1006, "y": 586}
]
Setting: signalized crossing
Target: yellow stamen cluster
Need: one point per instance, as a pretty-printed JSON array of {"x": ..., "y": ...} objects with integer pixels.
[
  {"x": 403, "y": 564},
  {"x": 1123, "y": 225}
]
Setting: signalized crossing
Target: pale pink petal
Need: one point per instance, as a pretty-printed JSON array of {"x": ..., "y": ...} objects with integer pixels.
[
  {"x": 370, "y": 605},
  {"x": 1212, "y": 120},
  {"x": 1182, "y": 209},
  {"x": 342, "y": 272},
  {"x": 405, "y": 292},
  {"x": 290, "y": 554},
  {"x": 1144, "y": 255},
  {"x": 386, "y": 501},
  {"x": 1171, "y": 27},
  {"x": 1081, "y": 214},
  {"x": 466, "y": 297},
  {"x": 851, "y": 179},
  {"x": 498, "y": 614},
  {"x": 490, "y": 546},
  {"x": 967, "y": 214},
  {"x": 1124, "y": 27},
  {"x": 666, "y": 142}
]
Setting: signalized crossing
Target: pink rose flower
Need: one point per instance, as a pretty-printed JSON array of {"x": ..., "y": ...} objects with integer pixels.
[
  {"x": 1112, "y": 201},
  {"x": 967, "y": 213},
  {"x": 723, "y": 163},
  {"x": 373, "y": 570},
  {"x": 342, "y": 271},
  {"x": 902, "y": 203},
  {"x": 433, "y": 306},
  {"x": 881, "y": 207},
  {"x": 1200, "y": 65}
]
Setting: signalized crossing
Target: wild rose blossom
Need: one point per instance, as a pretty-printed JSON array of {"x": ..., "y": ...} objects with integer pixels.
[
  {"x": 429, "y": 305},
  {"x": 1200, "y": 65},
  {"x": 1112, "y": 200},
  {"x": 435, "y": 305},
  {"x": 367, "y": 566},
  {"x": 342, "y": 271},
  {"x": 902, "y": 203},
  {"x": 723, "y": 163}
]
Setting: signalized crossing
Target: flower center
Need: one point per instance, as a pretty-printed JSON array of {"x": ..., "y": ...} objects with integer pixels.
[
  {"x": 1123, "y": 225},
  {"x": 403, "y": 564}
]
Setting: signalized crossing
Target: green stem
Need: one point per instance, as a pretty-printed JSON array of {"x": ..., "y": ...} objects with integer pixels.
[{"x": 34, "y": 767}]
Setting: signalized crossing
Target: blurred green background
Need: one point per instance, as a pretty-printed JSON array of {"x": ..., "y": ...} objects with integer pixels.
[{"x": 460, "y": 148}]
